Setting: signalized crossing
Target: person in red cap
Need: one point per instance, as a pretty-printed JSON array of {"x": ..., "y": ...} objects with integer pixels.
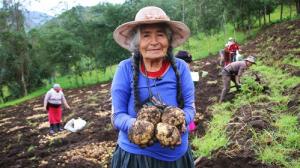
[{"x": 52, "y": 104}]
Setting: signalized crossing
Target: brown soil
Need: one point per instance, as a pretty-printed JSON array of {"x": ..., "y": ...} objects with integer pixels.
[
  {"x": 270, "y": 46},
  {"x": 25, "y": 141}
]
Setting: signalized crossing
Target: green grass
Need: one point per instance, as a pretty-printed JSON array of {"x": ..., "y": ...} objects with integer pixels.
[
  {"x": 272, "y": 146},
  {"x": 292, "y": 60},
  {"x": 31, "y": 148},
  {"x": 283, "y": 142},
  {"x": 283, "y": 138},
  {"x": 274, "y": 155},
  {"x": 275, "y": 16},
  {"x": 215, "y": 137},
  {"x": 279, "y": 81},
  {"x": 68, "y": 82},
  {"x": 32, "y": 95},
  {"x": 89, "y": 78},
  {"x": 201, "y": 45},
  {"x": 288, "y": 131}
]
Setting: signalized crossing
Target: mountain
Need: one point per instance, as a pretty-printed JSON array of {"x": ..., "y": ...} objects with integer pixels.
[{"x": 35, "y": 19}]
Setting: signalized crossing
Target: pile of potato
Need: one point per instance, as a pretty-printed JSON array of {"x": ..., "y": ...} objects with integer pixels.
[
  {"x": 93, "y": 153},
  {"x": 164, "y": 125}
]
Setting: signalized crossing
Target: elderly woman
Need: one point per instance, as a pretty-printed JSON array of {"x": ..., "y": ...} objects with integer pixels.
[
  {"x": 152, "y": 76},
  {"x": 53, "y": 105}
]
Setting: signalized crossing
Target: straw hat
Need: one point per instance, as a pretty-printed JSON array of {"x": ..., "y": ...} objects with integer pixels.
[{"x": 151, "y": 15}]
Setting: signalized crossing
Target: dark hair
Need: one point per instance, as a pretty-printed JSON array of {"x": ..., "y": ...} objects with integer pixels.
[
  {"x": 135, "y": 64},
  {"x": 184, "y": 55}
]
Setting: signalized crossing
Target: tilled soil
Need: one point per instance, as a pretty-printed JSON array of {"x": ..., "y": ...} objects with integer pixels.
[
  {"x": 239, "y": 153},
  {"x": 271, "y": 46},
  {"x": 25, "y": 141}
]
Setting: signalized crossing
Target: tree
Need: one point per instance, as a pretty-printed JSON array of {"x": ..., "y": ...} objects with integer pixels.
[
  {"x": 297, "y": 6},
  {"x": 13, "y": 37}
]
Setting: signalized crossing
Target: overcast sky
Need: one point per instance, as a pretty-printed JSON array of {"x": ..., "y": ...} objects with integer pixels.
[{"x": 54, "y": 7}]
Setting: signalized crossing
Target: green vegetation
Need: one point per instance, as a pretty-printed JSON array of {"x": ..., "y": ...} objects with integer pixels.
[
  {"x": 80, "y": 39},
  {"x": 88, "y": 78},
  {"x": 31, "y": 148},
  {"x": 201, "y": 45},
  {"x": 71, "y": 45},
  {"x": 283, "y": 142},
  {"x": 275, "y": 16},
  {"x": 279, "y": 81},
  {"x": 292, "y": 60},
  {"x": 277, "y": 145},
  {"x": 68, "y": 82},
  {"x": 215, "y": 137}
]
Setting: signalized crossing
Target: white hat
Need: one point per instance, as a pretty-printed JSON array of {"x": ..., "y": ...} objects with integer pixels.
[
  {"x": 250, "y": 59},
  {"x": 151, "y": 15},
  {"x": 56, "y": 86}
]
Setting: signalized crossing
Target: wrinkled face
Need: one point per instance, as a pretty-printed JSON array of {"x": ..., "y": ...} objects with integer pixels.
[{"x": 153, "y": 42}]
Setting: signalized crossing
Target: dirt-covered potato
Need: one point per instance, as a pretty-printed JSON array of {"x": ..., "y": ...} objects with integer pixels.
[
  {"x": 167, "y": 135},
  {"x": 174, "y": 116},
  {"x": 150, "y": 113},
  {"x": 141, "y": 133}
]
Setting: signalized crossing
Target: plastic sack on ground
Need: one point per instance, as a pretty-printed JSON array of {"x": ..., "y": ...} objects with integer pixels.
[
  {"x": 195, "y": 76},
  {"x": 204, "y": 74},
  {"x": 74, "y": 125}
]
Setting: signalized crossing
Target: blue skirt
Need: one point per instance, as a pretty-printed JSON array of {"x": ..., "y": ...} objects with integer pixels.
[{"x": 123, "y": 159}]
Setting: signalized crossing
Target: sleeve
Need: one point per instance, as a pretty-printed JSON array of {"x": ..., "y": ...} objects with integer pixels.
[
  {"x": 47, "y": 96},
  {"x": 241, "y": 71},
  {"x": 63, "y": 98},
  {"x": 120, "y": 93},
  {"x": 188, "y": 93}
]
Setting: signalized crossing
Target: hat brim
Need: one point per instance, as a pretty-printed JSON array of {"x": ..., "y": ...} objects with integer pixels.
[
  {"x": 122, "y": 34},
  {"x": 253, "y": 62}
]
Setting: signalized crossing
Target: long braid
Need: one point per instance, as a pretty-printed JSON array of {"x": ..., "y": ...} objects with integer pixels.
[
  {"x": 135, "y": 64},
  {"x": 179, "y": 96}
]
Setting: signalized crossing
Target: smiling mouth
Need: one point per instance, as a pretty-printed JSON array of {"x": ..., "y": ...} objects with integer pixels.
[{"x": 154, "y": 50}]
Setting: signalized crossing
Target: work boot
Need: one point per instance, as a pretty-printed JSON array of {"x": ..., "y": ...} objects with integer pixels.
[
  {"x": 59, "y": 128},
  {"x": 51, "y": 129}
]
